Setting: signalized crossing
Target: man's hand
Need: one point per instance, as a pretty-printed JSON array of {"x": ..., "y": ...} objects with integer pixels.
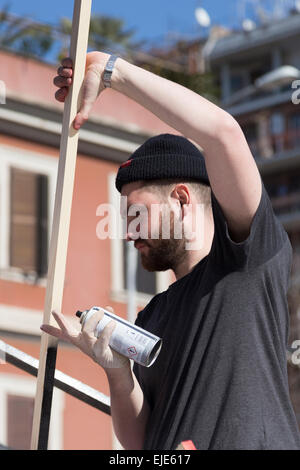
[
  {"x": 98, "y": 349},
  {"x": 92, "y": 85}
]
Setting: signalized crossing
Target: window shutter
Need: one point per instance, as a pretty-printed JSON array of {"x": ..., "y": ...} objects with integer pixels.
[
  {"x": 28, "y": 221},
  {"x": 23, "y": 220},
  {"x": 42, "y": 227}
]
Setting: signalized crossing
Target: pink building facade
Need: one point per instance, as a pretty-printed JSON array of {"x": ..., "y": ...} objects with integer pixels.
[{"x": 30, "y": 127}]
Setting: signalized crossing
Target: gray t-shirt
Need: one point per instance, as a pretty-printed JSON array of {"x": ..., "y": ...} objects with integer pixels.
[{"x": 221, "y": 376}]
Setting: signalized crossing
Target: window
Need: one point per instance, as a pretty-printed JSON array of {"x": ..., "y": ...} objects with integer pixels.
[
  {"x": 277, "y": 129},
  {"x": 16, "y": 412},
  {"x": 145, "y": 281},
  {"x": 27, "y": 189},
  {"x": 19, "y": 421},
  {"x": 28, "y": 221},
  {"x": 147, "y": 284},
  {"x": 294, "y": 130},
  {"x": 284, "y": 192},
  {"x": 236, "y": 82}
]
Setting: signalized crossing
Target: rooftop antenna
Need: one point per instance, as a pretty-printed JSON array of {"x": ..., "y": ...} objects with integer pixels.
[
  {"x": 251, "y": 10},
  {"x": 261, "y": 13},
  {"x": 279, "y": 10}
]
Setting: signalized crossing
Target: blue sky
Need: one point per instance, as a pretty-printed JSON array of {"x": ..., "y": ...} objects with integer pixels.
[{"x": 152, "y": 19}]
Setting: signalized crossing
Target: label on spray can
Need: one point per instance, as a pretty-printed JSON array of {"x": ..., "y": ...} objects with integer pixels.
[{"x": 127, "y": 339}]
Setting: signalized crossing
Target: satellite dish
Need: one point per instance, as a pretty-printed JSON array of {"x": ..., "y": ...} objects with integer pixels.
[
  {"x": 202, "y": 17},
  {"x": 248, "y": 25}
]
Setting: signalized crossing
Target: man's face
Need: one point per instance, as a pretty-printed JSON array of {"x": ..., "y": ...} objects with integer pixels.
[{"x": 152, "y": 230}]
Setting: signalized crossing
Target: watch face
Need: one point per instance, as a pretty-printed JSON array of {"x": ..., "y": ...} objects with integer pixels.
[
  {"x": 106, "y": 78},
  {"x": 108, "y": 70},
  {"x": 110, "y": 65}
]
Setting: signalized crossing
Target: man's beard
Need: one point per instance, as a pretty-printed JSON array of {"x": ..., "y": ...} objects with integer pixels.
[{"x": 163, "y": 254}]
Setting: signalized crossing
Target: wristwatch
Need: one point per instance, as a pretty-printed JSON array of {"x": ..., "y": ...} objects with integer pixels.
[{"x": 109, "y": 70}]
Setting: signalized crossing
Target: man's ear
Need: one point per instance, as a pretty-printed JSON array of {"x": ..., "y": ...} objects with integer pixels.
[{"x": 182, "y": 194}]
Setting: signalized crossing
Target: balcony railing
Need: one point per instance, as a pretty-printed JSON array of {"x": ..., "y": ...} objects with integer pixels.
[
  {"x": 286, "y": 141},
  {"x": 271, "y": 146},
  {"x": 286, "y": 203},
  {"x": 64, "y": 382}
]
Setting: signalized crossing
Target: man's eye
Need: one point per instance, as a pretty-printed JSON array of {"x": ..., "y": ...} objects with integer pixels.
[{"x": 134, "y": 215}]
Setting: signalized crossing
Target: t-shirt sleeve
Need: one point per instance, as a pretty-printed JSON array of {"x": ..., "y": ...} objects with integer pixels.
[{"x": 266, "y": 238}]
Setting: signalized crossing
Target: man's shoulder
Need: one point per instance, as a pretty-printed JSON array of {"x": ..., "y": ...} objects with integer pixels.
[{"x": 151, "y": 305}]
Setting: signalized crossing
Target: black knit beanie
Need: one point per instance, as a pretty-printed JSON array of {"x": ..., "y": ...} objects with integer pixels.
[{"x": 165, "y": 156}]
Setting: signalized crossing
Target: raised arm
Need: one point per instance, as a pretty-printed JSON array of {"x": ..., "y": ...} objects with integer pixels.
[{"x": 231, "y": 168}]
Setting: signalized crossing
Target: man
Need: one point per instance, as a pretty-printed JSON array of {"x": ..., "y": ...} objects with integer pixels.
[{"x": 221, "y": 378}]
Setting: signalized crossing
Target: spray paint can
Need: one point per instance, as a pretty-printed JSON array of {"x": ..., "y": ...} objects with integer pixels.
[{"x": 127, "y": 339}]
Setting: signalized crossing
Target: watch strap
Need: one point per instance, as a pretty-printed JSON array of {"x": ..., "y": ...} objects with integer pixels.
[{"x": 109, "y": 70}]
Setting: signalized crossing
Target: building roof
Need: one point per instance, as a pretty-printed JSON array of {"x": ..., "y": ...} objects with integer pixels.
[
  {"x": 31, "y": 81},
  {"x": 264, "y": 35},
  {"x": 117, "y": 125}
]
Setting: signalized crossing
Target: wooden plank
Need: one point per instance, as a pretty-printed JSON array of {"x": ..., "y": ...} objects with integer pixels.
[{"x": 61, "y": 224}]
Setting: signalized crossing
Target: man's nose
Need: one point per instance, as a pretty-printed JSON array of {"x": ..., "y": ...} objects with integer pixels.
[
  {"x": 129, "y": 237},
  {"x": 132, "y": 236}
]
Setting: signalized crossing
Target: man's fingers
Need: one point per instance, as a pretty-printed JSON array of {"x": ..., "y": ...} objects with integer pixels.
[
  {"x": 60, "y": 320},
  {"x": 70, "y": 337},
  {"x": 67, "y": 62},
  {"x": 79, "y": 120},
  {"x": 62, "y": 81},
  {"x": 103, "y": 340},
  {"x": 51, "y": 330},
  {"x": 64, "y": 72},
  {"x": 109, "y": 308},
  {"x": 91, "y": 323},
  {"x": 61, "y": 94},
  {"x": 68, "y": 327}
]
